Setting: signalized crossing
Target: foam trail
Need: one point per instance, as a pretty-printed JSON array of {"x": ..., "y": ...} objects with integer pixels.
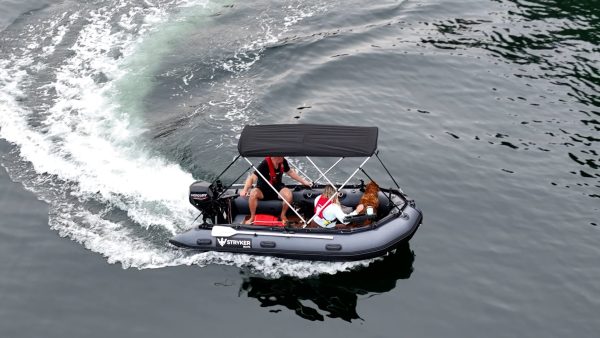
[
  {"x": 84, "y": 138},
  {"x": 83, "y": 154}
]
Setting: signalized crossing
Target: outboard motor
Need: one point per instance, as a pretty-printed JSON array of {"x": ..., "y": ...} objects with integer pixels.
[{"x": 203, "y": 196}]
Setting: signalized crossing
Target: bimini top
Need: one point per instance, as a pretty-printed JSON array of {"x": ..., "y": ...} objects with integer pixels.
[{"x": 307, "y": 140}]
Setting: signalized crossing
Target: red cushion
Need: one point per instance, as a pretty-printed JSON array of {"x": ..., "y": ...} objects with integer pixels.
[{"x": 267, "y": 220}]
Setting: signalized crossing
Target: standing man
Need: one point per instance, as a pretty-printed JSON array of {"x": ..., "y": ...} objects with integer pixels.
[{"x": 272, "y": 168}]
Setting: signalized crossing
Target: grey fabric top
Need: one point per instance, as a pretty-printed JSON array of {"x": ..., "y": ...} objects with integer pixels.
[{"x": 307, "y": 140}]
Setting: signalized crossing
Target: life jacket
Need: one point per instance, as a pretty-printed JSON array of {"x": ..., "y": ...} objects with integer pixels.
[
  {"x": 322, "y": 203},
  {"x": 272, "y": 175}
]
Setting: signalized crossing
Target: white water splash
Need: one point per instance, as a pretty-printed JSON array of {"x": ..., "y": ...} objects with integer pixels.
[{"x": 88, "y": 144}]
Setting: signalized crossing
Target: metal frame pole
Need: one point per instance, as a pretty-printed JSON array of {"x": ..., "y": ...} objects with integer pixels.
[
  {"x": 298, "y": 169},
  {"x": 229, "y": 166},
  {"x": 328, "y": 170},
  {"x": 341, "y": 187},
  {"x": 277, "y": 192},
  {"x": 321, "y": 174},
  {"x": 388, "y": 172},
  {"x": 319, "y": 170}
]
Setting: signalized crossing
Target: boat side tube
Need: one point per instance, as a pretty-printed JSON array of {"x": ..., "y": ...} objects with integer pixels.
[{"x": 362, "y": 243}]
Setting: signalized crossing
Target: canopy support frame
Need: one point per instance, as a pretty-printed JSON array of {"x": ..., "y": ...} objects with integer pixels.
[
  {"x": 328, "y": 170},
  {"x": 322, "y": 175},
  {"x": 319, "y": 170},
  {"x": 229, "y": 166},
  {"x": 275, "y": 190},
  {"x": 340, "y": 188}
]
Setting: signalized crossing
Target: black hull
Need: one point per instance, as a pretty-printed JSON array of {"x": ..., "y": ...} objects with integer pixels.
[{"x": 345, "y": 245}]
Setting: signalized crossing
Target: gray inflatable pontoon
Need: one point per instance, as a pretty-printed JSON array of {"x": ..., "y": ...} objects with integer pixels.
[{"x": 366, "y": 236}]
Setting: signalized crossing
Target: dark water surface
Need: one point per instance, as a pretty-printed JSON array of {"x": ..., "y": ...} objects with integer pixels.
[{"x": 489, "y": 118}]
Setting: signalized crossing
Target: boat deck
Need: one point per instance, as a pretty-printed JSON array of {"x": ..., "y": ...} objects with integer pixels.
[{"x": 293, "y": 221}]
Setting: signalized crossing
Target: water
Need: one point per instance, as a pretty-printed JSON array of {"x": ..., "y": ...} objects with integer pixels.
[{"x": 488, "y": 116}]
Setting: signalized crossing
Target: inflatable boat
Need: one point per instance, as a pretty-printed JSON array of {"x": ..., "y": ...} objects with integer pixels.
[{"x": 380, "y": 229}]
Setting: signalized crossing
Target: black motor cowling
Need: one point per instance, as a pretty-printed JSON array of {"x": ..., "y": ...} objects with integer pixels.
[
  {"x": 201, "y": 195},
  {"x": 205, "y": 197}
]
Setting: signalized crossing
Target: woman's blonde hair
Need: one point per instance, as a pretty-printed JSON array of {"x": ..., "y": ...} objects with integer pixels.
[{"x": 330, "y": 191}]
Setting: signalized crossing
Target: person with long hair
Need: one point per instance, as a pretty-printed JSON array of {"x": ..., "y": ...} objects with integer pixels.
[{"x": 329, "y": 211}]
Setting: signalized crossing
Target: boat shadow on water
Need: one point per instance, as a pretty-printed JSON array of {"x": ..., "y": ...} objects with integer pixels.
[{"x": 335, "y": 296}]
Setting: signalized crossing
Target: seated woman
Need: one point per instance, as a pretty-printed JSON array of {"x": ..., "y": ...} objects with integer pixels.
[{"x": 328, "y": 213}]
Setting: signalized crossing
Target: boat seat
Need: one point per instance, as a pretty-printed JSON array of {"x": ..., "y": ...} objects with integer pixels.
[
  {"x": 271, "y": 207},
  {"x": 348, "y": 198},
  {"x": 304, "y": 199}
]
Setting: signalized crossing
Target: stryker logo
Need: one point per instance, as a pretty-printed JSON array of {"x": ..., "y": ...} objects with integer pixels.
[{"x": 243, "y": 243}]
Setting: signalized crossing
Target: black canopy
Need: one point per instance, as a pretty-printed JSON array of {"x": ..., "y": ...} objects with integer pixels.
[{"x": 307, "y": 140}]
